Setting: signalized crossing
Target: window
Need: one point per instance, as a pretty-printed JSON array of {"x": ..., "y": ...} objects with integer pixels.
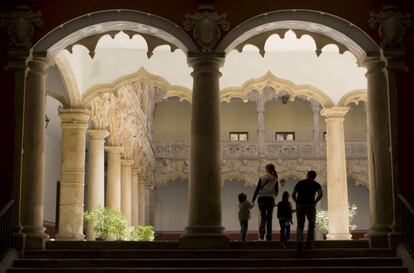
[
  {"x": 239, "y": 136},
  {"x": 281, "y": 136},
  {"x": 324, "y": 136}
]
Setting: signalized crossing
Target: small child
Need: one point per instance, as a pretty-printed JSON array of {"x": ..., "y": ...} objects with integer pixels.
[
  {"x": 284, "y": 214},
  {"x": 244, "y": 214}
]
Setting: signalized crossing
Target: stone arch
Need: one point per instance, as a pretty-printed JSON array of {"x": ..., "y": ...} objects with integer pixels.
[
  {"x": 334, "y": 27},
  {"x": 104, "y": 22},
  {"x": 355, "y": 96},
  {"x": 279, "y": 86},
  {"x": 112, "y": 20},
  {"x": 141, "y": 75}
]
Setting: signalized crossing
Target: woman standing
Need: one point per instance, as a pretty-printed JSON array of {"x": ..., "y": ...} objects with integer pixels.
[{"x": 267, "y": 190}]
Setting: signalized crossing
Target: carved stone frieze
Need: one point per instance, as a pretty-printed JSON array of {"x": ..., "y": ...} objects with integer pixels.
[
  {"x": 392, "y": 24},
  {"x": 248, "y": 170},
  {"x": 20, "y": 24},
  {"x": 206, "y": 25},
  {"x": 127, "y": 114},
  {"x": 275, "y": 149}
]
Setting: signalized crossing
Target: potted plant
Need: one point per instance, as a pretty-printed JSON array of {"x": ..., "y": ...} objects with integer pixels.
[{"x": 107, "y": 223}]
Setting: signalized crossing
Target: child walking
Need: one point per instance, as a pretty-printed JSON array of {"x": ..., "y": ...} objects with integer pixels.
[
  {"x": 284, "y": 214},
  {"x": 244, "y": 214}
]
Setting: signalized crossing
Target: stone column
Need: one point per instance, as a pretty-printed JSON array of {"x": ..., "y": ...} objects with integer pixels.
[
  {"x": 18, "y": 64},
  {"x": 316, "y": 109},
  {"x": 126, "y": 165},
  {"x": 396, "y": 64},
  {"x": 379, "y": 155},
  {"x": 134, "y": 197},
  {"x": 33, "y": 173},
  {"x": 141, "y": 201},
  {"x": 151, "y": 199},
  {"x": 19, "y": 23},
  {"x": 336, "y": 174},
  {"x": 113, "y": 180},
  {"x": 96, "y": 172},
  {"x": 74, "y": 124},
  {"x": 260, "y": 108},
  {"x": 204, "y": 224}
]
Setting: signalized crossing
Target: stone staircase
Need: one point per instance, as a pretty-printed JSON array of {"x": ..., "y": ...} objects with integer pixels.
[{"x": 326, "y": 256}]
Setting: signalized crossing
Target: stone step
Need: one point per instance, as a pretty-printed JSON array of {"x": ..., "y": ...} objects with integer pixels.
[
  {"x": 345, "y": 269},
  {"x": 207, "y": 263},
  {"x": 174, "y": 244},
  {"x": 205, "y": 253}
]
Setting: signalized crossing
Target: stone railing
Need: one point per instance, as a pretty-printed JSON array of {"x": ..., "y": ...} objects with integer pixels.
[{"x": 275, "y": 149}]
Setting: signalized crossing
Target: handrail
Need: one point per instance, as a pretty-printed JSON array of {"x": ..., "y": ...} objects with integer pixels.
[
  {"x": 6, "y": 207},
  {"x": 407, "y": 223},
  {"x": 6, "y": 228},
  {"x": 406, "y": 203}
]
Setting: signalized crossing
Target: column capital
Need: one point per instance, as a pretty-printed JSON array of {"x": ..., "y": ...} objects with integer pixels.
[
  {"x": 17, "y": 59},
  {"x": 114, "y": 149},
  {"x": 315, "y": 106},
  {"x": 334, "y": 112},
  {"x": 97, "y": 134},
  {"x": 206, "y": 62},
  {"x": 74, "y": 117},
  {"x": 373, "y": 64},
  {"x": 39, "y": 65},
  {"x": 396, "y": 59},
  {"x": 127, "y": 162},
  {"x": 134, "y": 171}
]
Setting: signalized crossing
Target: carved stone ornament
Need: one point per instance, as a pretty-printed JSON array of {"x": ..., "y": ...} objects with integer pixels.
[
  {"x": 206, "y": 25},
  {"x": 391, "y": 24},
  {"x": 20, "y": 25}
]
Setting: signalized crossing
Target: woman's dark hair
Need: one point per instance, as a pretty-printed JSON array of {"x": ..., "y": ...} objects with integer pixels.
[
  {"x": 242, "y": 197},
  {"x": 285, "y": 196},
  {"x": 270, "y": 168}
]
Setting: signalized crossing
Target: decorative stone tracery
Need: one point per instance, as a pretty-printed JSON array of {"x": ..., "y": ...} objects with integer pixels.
[{"x": 248, "y": 170}]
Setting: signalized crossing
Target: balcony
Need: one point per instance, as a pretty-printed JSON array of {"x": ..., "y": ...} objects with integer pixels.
[{"x": 279, "y": 149}]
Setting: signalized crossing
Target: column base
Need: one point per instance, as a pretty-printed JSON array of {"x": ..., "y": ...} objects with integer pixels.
[
  {"x": 69, "y": 237},
  {"x": 35, "y": 237},
  {"x": 204, "y": 237},
  {"x": 19, "y": 242},
  {"x": 394, "y": 239},
  {"x": 377, "y": 239},
  {"x": 338, "y": 236}
]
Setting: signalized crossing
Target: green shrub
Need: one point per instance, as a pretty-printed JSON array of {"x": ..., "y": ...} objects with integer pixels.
[
  {"x": 142, "y": 233},
  {"x": 107, "y": 223},
  {"x": 322, "y": 219}
]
